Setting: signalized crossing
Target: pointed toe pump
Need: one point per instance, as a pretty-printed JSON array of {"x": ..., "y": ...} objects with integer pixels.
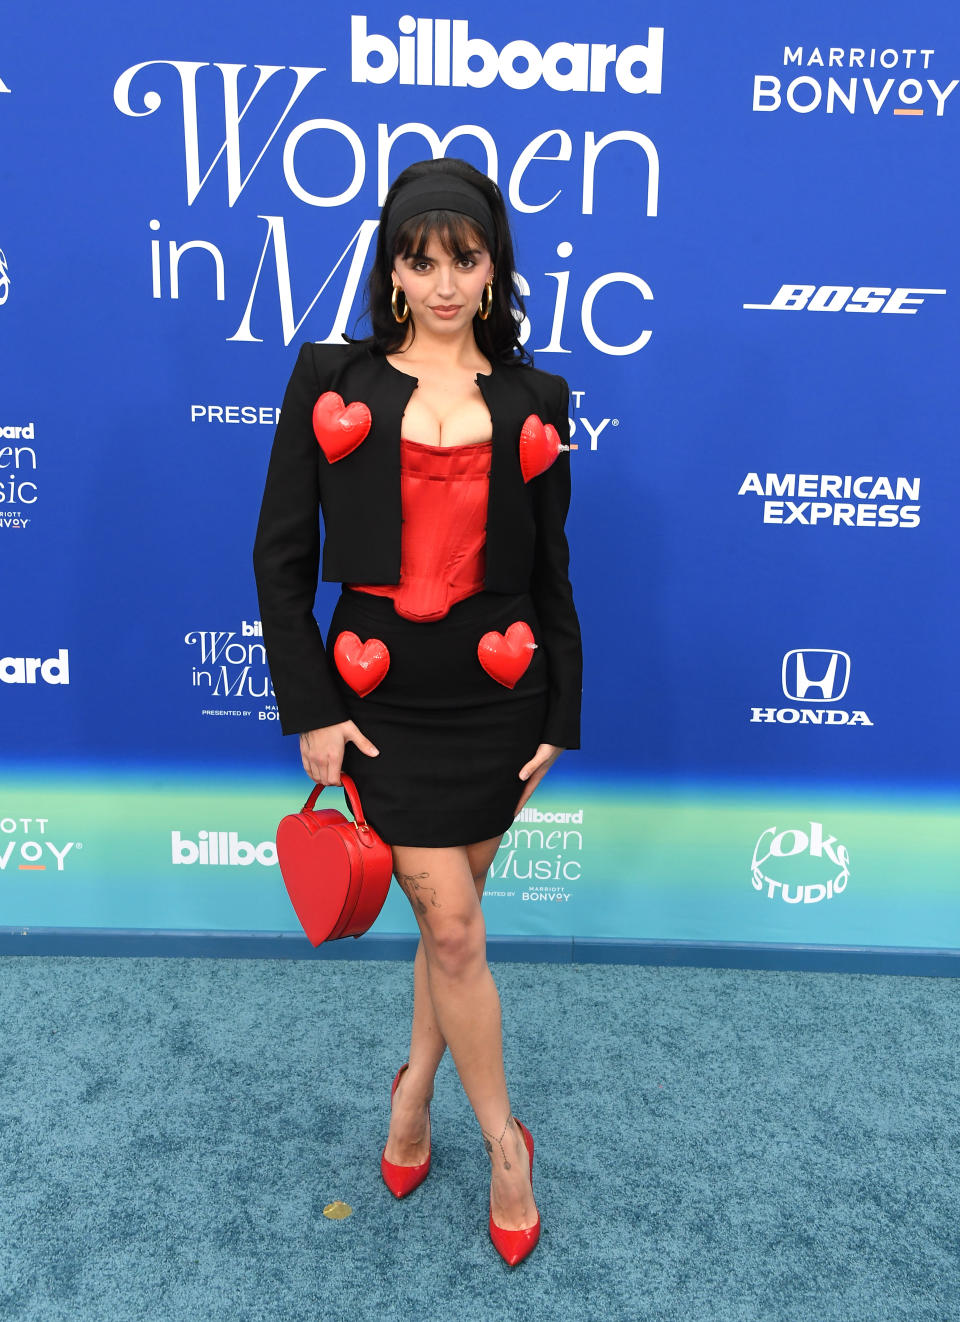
[
  {"x": 401, "y": 1180},
  {"x": 514, "y": 1245}
]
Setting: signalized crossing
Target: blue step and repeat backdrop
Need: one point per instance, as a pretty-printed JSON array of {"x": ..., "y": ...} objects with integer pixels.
[{"x": 737, "y": 231}]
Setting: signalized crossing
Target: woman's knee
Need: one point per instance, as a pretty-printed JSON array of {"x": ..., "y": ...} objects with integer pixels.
[
  {"x": 442, "y": 889},
  {"x": 456, "y": 942}
]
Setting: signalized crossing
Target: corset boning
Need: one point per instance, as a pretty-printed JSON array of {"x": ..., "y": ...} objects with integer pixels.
[{"x": 443, "y": 492}]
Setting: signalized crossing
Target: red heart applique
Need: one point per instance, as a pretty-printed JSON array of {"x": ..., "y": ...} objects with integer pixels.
[
  {"x": 539, "y": 446},
  {"x": 362, "y": 665},
  {"x": 338, "y": 427},
  {"x": 506, "y": 656}
]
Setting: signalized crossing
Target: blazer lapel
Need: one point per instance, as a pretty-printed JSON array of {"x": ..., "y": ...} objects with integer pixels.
[{"x": 510, "y": 527}]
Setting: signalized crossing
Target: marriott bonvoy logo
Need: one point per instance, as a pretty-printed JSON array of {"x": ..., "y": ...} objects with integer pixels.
[
  {"x": 440, "y": 52},
  {"x": 27, "y": 846},
  {"x": 846, "y": 79}
]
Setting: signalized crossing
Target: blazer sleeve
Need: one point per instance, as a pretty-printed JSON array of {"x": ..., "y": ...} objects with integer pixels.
[
  {"x": 551, "y": 589},
  {"x": 286, "y": 561}
]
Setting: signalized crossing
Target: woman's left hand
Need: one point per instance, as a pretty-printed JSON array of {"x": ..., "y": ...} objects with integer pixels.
[{"x": 535, "y": 770}]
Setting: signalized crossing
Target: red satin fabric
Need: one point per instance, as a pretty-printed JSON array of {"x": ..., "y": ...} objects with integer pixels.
[{"x": 443, "y": 491}]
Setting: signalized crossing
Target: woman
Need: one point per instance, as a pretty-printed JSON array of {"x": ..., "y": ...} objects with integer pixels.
[{"x": 450, "y": 679}]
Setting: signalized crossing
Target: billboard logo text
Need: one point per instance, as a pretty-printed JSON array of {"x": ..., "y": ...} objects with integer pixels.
[
  {"x": 441, "y": 53},
  {"x": 31, "y": 669}
]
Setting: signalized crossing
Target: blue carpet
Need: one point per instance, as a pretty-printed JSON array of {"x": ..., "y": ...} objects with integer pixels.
[{"x": 712, "y": 1146}]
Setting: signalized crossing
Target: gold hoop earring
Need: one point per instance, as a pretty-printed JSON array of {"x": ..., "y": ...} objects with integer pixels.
[
  {"x": 486, "y": 298},
  {"x": 393, "y": 304}
]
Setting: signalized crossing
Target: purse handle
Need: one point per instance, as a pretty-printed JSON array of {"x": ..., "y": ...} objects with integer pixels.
[{"x": 352, "y": 797}]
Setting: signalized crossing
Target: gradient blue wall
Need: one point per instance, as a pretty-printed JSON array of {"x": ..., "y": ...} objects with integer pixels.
[{"x": 738, "y": 234}]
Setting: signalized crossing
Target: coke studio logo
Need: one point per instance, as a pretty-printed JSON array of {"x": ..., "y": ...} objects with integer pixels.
[{"x": 799, "y": 865}]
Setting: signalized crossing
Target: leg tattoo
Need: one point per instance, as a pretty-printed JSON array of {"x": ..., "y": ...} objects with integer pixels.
[
  {"x": 412, "y": 885},
  {"x": 489, "y": 1145}
]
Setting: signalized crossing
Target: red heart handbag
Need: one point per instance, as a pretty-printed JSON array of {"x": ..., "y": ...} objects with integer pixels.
[{"x": 337, "y": 872}]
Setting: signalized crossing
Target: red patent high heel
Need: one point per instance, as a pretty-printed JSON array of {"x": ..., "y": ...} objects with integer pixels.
[
  {"x": 401, "y": 1180},
  {"x": 514, "y": 1245}
]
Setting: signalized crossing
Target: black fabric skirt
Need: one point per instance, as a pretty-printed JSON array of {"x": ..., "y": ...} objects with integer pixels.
[{"x": 452, "y": 739}]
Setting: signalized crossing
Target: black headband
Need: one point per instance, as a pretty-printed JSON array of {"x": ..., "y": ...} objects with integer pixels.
[{"x": 439, "y": 191}]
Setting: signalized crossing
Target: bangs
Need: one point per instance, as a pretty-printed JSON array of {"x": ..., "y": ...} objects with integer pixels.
[{"x": 458, "y": 235}]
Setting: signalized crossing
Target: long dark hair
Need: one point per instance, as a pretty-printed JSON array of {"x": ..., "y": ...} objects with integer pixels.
[{"x": 498, "y": 336}]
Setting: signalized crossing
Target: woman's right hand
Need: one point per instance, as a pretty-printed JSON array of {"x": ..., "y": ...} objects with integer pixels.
[{"x": 322, "y": 750}]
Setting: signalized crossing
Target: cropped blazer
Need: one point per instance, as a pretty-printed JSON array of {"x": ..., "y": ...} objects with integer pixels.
[{"x": 359, "y": 499}]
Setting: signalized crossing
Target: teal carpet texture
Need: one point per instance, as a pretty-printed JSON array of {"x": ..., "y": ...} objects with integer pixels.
[{"x": 711, "y": 1146}]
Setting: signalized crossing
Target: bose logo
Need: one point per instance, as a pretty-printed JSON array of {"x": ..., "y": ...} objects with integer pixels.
[
  {"x": 844, "y": 298},
  {"x": 441, "y": 53},
  {"x": 815, "y": 668},
  {"x": 24, "y": 669}
]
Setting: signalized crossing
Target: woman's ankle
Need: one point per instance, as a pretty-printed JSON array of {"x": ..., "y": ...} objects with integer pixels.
[
  {"x": 417, "y": 1084},
  {"x": 504, "y": 1149}
]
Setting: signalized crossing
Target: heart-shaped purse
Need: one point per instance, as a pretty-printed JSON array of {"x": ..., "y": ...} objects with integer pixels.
[{"x": 337, "y": 872}]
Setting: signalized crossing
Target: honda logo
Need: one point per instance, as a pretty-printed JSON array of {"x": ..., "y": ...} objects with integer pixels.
[{"x": 815, "y": 674}]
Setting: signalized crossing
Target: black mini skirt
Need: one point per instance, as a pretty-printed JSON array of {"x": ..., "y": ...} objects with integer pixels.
[{"x": 452, "y": 738}]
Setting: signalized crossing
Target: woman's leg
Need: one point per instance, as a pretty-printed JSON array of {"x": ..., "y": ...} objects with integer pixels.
[
  {"x": 439, "y": 885},
  {"x": 409, "y": 1140}
]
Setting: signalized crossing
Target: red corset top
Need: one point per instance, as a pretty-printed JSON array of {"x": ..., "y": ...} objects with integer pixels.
[{"x": 443, "y": 493}]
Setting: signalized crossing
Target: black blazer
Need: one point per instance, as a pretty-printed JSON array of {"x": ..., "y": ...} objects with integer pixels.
[{"x": 359, "y": 496}]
